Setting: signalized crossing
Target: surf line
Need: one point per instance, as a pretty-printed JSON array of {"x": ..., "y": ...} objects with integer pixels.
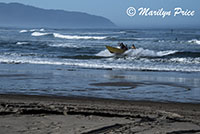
[{"x": 163, "y": 13}]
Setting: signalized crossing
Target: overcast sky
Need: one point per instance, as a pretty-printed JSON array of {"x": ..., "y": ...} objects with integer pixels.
[{"x": 115, "y": 10}]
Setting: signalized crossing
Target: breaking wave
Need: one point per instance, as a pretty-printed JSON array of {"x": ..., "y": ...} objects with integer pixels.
[
  {"x": 105, "y": 53},
  {"x": 70, "y": 37},
  {"x": 23, "y": 31},
  {"x": 32, "y": 30},
  {"x": 40, "y": 34},
  {"x": 194, "y": 41},
  {"x": 57, "y": 35},
  {"x": 22, "y": 43},
  {"x": 105, "y": 64},
  {"x": 140, "y": 52},
  {"x": 67, "y": 45}
]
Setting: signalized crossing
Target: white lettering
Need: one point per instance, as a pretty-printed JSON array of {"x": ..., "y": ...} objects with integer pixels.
[
  {"x": 163, "y": 13},
  {"x": 148, "y": 12},
  {"x": 143, "y": 11},
  {"x": 180, "y": 11}
]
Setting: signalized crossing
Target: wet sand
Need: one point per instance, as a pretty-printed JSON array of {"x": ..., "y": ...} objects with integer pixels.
[
  {"x": 79, "y": 115},
  {"x": 113, "y": 84}
]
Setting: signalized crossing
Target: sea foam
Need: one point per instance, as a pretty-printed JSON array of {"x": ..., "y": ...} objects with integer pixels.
[
  {"x": 22, "y": 43},
  {"x": 67, "y": 45},
  {"x": 23, "y": 31},
  {"x": 39, "y": 34},
  {"x": 99, "y": 64},
  {"x": 194, "y": 41},
  {"x": 32, "y": 30},
  {"x": 140, "y": 52},
  {"x": 57, "y": 35}
]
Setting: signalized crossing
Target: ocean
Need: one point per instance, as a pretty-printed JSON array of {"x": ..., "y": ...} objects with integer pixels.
[{"x": 75, "y": 62}]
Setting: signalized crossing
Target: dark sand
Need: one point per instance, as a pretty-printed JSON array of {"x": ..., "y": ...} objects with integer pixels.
[{"x": 20, "y": 114}]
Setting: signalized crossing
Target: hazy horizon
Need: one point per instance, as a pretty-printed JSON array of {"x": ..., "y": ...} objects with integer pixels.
[{"x": 117, "y": 12}]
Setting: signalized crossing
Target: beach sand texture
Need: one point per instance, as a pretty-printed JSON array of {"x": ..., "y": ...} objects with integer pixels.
[{"x": 79, "y": 115}]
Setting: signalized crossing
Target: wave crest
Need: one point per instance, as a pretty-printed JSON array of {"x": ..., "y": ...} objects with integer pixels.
[
  {"x": 39, "y": 34},
  {"x": 142, "y": 65},
  {"x": 57, "y": 35},
  {"x": 23, "y": 31},
  {"x": 32, "y": 30},
  {"x": 194, "y": 41},
  {"x": 140, "y": 52},
  {"x": 22, "y": 43},
  {"x": 66, "y": 45}
]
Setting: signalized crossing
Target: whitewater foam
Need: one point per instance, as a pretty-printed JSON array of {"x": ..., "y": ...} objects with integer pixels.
[
  {"x": 39, "y": 34},
  {"x": 104, "y": 53},
  {"x": 140, "y": 52},
  {"x": 194, "y": 41},
  {"x": 102, "y": 64},
  {"x": 68, "y": 45},
  {"x": 57, "y": 35},
  {"x": 23, "y": 31},
  {"x": 186, "y": 60},
  {"x": 22, "y": 43},
  {"x": 42, "y": 30},
  {"x": 32, "y": 30}
]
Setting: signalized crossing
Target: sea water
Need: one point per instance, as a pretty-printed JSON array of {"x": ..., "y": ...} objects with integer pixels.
[{"x": 74, "y": 62}]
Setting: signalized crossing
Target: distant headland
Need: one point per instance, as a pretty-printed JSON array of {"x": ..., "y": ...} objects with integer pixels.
[{"x": 19, "y": 15}]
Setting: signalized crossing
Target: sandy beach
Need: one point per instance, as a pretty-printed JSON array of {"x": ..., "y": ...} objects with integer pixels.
[
  {"x": 99, "y": 67},
  {"x": 81, "y": 115}
]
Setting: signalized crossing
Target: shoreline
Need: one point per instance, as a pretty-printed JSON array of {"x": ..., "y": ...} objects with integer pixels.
[
  {"x": 130, "y": 85},
  {"x": 54, "y": 114},
  {"x": 86, "y": 98}
]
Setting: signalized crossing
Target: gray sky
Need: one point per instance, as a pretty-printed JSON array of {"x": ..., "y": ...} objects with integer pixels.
[{"x": 115, "y": 10}]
